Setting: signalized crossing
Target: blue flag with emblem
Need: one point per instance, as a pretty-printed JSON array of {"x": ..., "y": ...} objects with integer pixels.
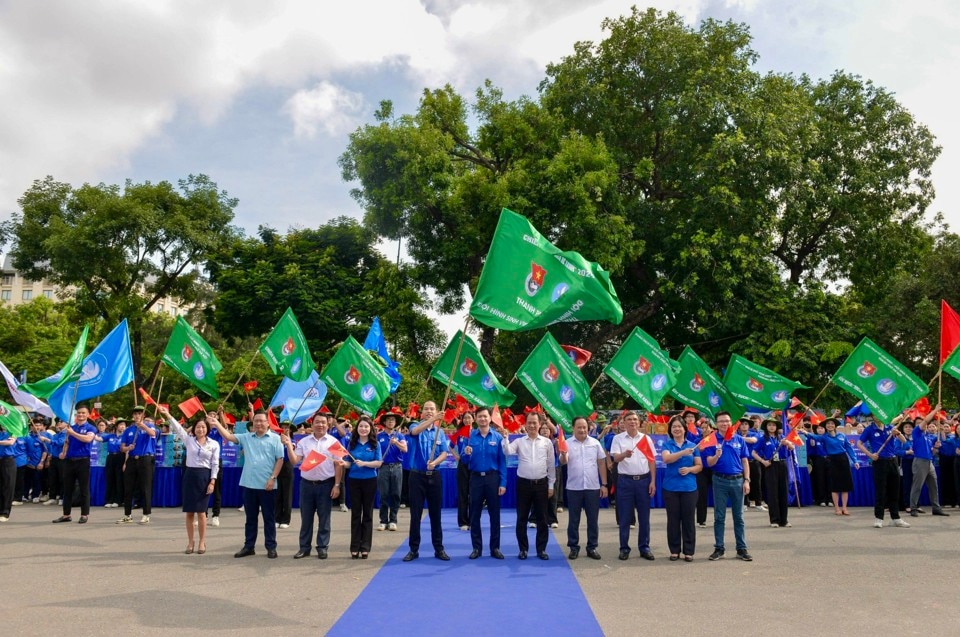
[
  {"x": 105, "y": 370},
  {"x": 376, "y": 343},
  {"x": 300, "y": 400}
]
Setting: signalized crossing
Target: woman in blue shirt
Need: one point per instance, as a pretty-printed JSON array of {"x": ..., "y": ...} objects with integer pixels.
[
  {"x": 682, "y": 460},
  {"x": 113, "y": 468},
  {"x": 818, "y": 467},
  {"x": 839, "y": 457},
  {"x": 363, "y": 462},
  {"x": 8, "y": 473},
  {"x": 904, "y": 451},
  {"x": 771, "y": 452}
]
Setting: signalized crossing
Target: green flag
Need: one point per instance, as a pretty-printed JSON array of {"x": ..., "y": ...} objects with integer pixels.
[
  {"x": 286, "y": 349},
  {"x": 357, "y": 377},
  {"x": 472, "y": 378},
  {"x": 67, "y": 374},
  {"x": 556, "y": 383},
  {"x": 643, "y": 370},
  {"x": 879, "y": 380},
  {"x": 527, "y": 282},
  {"x": 699, "y": 386},
  {"x": 191, "y": 356},
  {"x": 13, "y": 420},
  {"x": 758, "y": 386},
  {"x": 952, "y": 364}
]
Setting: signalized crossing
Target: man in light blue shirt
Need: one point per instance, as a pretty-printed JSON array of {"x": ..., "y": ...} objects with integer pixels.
[{"x": 263, "y": 457}]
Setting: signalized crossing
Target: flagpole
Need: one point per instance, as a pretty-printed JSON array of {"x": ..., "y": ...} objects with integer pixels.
[
  {"x": 317, "y": 382},
  {"x": 240, "y": 377},
  {"x": 817, "y": 397},
  {"x": 599, "y": 378},
  {"x": 446, "y": 394},
  {"x": 513, "y": 378},
  {"x": 156, "y": 401},
  {"x": 425, "y": 384},
  {"x": 73, "y": 406}
]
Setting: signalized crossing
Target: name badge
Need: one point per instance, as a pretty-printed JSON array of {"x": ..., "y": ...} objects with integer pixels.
[{"x": 492, "y": 443}]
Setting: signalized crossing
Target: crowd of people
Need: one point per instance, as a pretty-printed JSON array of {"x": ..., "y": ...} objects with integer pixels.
[{"x": 739, "y": 466}]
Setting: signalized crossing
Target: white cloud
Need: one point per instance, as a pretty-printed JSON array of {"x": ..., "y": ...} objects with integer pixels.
[{"x": 325, "y": 106}]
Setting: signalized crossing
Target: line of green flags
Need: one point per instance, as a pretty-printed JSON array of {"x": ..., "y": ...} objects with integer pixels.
[{"x": 699, "y": 386}]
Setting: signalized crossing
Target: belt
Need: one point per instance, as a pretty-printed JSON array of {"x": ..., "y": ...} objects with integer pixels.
[
  {"x": 628, "y": 476},
  {"x": 425, "y": 473},
  {"x": 143, "y": 456},
  {"x": 392, "y": 464},
  {"x": 728, "y": 476},
  {"x": 485, "y": 473},
  {"x": 316, "y": 481},
  {"x": 533, "y": 481}
]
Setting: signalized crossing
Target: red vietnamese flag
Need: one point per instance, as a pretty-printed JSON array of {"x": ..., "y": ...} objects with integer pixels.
[
  {"x": 449, "y": 415},
  {"x": 580, "y": 357},
  {"x": 731, "y": 431},
  {"x": 692, "y": 428},
  {"x": 324, "y": 410},
  {"x": 949, "y": 330},
  {"x": 352, "y": 415},
  {"x": 313, "y": 459},
  {"x": 146, "y": 397},
  {"x": 816, "y": 419},
  {"x": 495, "y": 416},
  {"x": 190, "y": 406},
  {"x": 708, "y": 441},
  {"x": 646, "y": 448},
  {"x": 337, "y": 449},
  {"x": 165, "y": 406},
  {"x": 94, "y": 414},
  {"x": 230, "y": 419},
  {"x": 561, "y": 441},
  {"x": 662, "y": 419},
  {"x": 923, "y": 406},
  {"x": 462, "y": 405},
  {"x": 274, "y": 425},
  {"x": 794, "y": 402},
  {"x": 413, "y": 411},
  {"x": 794, "y": 438},
  {"x": 257, "y": 404},
  {"x": 250, "y": 385}
]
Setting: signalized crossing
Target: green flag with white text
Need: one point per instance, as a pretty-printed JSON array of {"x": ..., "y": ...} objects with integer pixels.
[
  {"x": 286, "y": 349},
  {"x": 879, "y": 380},
  {"x": 14, "y": 421},
  {"x": 527, "y": 282},
  {"x": 556, "y": 383},
  {"x": 699, "y": 386},
  {"x": 472, "y": 377},
  {"x": 643, "y": 370},
  {"x": 68, "y": 373},
  {"x": 357, "y": 377},
  {"x": 192, "y": 357},
  {"x": 757, "y": 386}
]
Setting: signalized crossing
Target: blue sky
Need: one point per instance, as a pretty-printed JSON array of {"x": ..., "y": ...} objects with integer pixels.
[{"x": 261, "y": 96}]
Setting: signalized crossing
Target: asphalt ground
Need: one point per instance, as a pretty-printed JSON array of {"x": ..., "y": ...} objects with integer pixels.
[{"x": 827, "y": 575}]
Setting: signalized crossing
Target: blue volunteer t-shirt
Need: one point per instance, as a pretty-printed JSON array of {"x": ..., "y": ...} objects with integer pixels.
[{"x": 731, "y": 460}]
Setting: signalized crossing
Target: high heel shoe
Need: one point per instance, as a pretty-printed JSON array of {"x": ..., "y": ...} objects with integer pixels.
[
  {"x": 189, "y": 550},
  {"x": 201, "y": 550},
  {"x": 355, "y": 556},
  {"x": 363, "y": 556}
]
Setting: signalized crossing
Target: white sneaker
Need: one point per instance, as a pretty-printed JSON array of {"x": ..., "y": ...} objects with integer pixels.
[
  {"x": 144, "y": 520},
  {"x": 559, "y": 509},
  {"x": 392, "y": 526},
  {"x": 49, "y": 502},
  {"x": 464, "y": 528},
  {"x": 240, "y": 508},
  {"x": 215, "y": 521},
  {"x": 16, "y": 503},
  {"x": 702, "y": 526},
  {"x": 532, "y": 525},
  {"x": 284, "y": 526},
  {"x": 382, "y": 527},
  {"x": 763, "y": 507},
  {"x": 554, "y": 525},
  {"x": 107, "y": 505},
  {"x": 125, "y": 520},
  {"x": 3, "y": 518},
  {"x": 633, "y": 526},
  {"x": 44, "y": 498},
  {"x": 903, "y": 524},
  {"x": 774, "y": 526},
  {"x": 60, "y": 501},
  {"x": 878, "y": 523},
  {"x": 403, "y": 506},
  {"x": 36, "y": 500},
  {"x": 343, "y": 508}
]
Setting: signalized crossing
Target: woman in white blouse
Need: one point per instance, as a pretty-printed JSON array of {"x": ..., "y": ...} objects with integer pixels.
[{"x": 199, "y": 476}]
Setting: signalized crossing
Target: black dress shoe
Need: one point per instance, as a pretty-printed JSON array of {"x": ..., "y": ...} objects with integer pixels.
[
  {"x": 624, "y": 555},
  {"x": 409, "y": 557},
  {"x": 62, "y": 518},
  {"x": 272, "y": 554},
  {"x": 593, "y": 555},
  {"x": 301, "y": 555},
  {"x": 574, "y": 553},
  {"x": 647, "y": 555},
  {"x": 321, "y": 554},
  {"x": 935, "y": 512},
  {"x": 543, "y": 555},
  {"x": 244, "y": 552},
  {"x": 523, "y": 555},
  {"x": 913, "y": 514},
  {"x": 475, "y": 554},
  {"x": 441, "y": 555},
  {"x": 83, "y": 518},
  {"x": 496, "y": 554}
]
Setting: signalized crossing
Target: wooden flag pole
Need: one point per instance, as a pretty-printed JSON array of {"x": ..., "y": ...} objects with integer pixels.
[
  {"x": 240, "y": 377},
  {"x": 446, "y": 394},
  {"x": 599, "y": 378},
  {"x": 156, "y": 401},
  {"x": 817, "y": 397}
]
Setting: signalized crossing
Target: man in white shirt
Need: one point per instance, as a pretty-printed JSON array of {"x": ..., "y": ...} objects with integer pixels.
[
  {"x": 586, "y": 465},
  {"x": 536, "y": 475},
  {"x": 636, "y": 484},
  {"x": 319, "y": 485}
]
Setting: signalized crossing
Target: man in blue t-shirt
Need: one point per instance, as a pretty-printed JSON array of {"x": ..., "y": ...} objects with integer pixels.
[
  {"x": 393, "y": 447},
  {"x": 139, "y": 442},
  {"x": 76, "y": 464},
  {"x": 731, "y": 480}
]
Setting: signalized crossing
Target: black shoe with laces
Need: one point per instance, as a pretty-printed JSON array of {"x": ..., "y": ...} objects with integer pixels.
[
  {"x": 716, "y": 555},
  {"x": 743, "y": 555}
]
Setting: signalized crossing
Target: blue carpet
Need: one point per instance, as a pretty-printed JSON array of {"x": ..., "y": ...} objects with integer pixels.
[{"x": 472, "y": 597}]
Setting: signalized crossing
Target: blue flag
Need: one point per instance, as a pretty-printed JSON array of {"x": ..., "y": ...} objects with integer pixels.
[
  {"x": 297, "y": 410},
  {"x": 375, "y": 342},
  {"x": 107, "y": 368},
  {"x": 313, "y": 387},
  {"x": 860, "y": 409}
]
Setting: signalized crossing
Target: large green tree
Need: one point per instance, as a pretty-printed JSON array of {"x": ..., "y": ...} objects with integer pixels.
[{"x": 122, "y": 249}]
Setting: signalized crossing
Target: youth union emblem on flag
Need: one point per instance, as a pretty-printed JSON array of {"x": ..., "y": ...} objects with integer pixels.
[
  {"x": 551, "y": 373},
  {"x": 535, "y": 279},
  {"x": 866, "y": 370},
  {"x": 296, "y": 366},
  {"x": 198, "y": 372},
  {"x": 368, "y": 392},
  {"x": 566, "y": 394},
  {"x": 352, "y": 376},
  {"x": 288, "y": 347},
  {"x": 560, "y": 290},
  {"x": 714, "y": 399},
  {"x": 697, "y": 383},
  {"x": 468, "y": 367},
  {"x": 642, "y": 366},
  {"x": 186, "y": 352},
  {"x": 754, "y": 385},
  {"x": 486, "y": 382},
  {"x": 780, "y": 396},
  {"x": 658, "y": 382},
  {"x": 886, "y": 386}
]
